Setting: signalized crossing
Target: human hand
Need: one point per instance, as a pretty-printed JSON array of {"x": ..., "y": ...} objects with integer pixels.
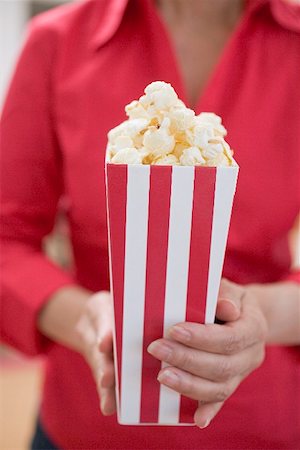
[
  {"x": 208, "y": 362},
  {"x": 95, "y": 330}
]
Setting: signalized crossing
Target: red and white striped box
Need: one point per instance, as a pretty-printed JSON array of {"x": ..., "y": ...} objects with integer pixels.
[{"x": 168, "y": 228}]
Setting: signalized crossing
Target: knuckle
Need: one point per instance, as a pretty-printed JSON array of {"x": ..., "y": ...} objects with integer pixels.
[
  {"x": 79, "y": 331},
  {"x": 103, "y": 393},
  {"x": 224, "y": 370},
  {"x": 98, "y": 379},
  {"x": 108, "y": 382},
  {"x": 98, "y": 372},
  {"x": 111, "y": 372},
  {"x": 106, "y": 372},
  {"x": 232, "y": 344},
  {"x": 82, "y": 330},
  {"x": 183, "y": 359},
  {"x": 186, "y": 385},
  {"x": 222, "y": 393}
]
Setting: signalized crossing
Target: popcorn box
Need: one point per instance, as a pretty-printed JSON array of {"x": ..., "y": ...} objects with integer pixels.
[{"x": 168, "y": 228}]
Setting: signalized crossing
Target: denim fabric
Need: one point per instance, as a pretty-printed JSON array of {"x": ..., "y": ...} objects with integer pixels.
[{"x": 41, "y": 441}]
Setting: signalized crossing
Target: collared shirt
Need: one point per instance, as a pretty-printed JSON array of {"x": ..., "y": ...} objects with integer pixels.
[{"x": 80, "y": 65}]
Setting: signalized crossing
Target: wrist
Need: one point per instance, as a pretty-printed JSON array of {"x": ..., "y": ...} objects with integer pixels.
[
  {"x": 59, "y": 317},
  {"x": 280, "y": 305},
  {"x": 260, "y": 294}
]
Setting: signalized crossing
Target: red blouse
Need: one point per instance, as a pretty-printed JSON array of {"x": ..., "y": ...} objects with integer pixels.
[{"x": 80, "y": 65}]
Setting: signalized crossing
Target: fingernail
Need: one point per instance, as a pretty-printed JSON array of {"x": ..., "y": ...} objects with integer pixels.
[
  {"x": 229, "y": 301},
  {"x": 206, "y": 424},
  {"x": 180, "y": 332},
  {"x": 161, "y": 351},
  {"x": 169, "y": 377}
]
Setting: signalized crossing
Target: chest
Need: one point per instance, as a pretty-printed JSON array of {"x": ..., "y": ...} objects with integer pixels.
[{"x": 197, "y": 53}]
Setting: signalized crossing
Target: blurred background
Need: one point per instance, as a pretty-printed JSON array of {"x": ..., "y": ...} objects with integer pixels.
[{"x": 20, "y": 378}]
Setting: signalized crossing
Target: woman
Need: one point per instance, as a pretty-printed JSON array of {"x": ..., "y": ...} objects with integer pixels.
[{"x": 80, "y": 65}]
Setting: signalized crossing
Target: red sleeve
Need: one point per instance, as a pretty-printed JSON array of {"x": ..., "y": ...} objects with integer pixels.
[{"x": 30, "y": 188}]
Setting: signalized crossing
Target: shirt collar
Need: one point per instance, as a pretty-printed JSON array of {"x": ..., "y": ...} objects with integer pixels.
[
  {"x": 285, "y": 12},
  {"x": 282, "y": 12},
  {"x": 113, "y": 15}
]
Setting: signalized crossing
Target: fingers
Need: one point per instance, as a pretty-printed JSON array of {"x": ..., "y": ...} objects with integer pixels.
[
  {"x": 108, "y": 402},
  {"x": 231, "y": 291},
  {"x": 101, "y": 319},
  {"x": 100, "y": 314},
  {"x": 206, "y": 412},
  {"x": 95, "y": 327},
  {"x": 225, "y": 339},
  {"x": 211, "y": 366},
  {"x": 229, "y": 304},
  {"x": 106, "y": 385},
  {"x": 107, "y": 378},
  {"x": 106, "y": 343},
  {"x": 227, "y": 311},
  {"x": 196, "y": 388},
  {"x": 103, "y": 370}
]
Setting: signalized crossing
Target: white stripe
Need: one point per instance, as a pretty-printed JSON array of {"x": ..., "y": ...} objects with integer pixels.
[
  {"x": 224, "y": 193},
  {"x": 177, "y": 272},
  {"x": 134, "y": 291}
]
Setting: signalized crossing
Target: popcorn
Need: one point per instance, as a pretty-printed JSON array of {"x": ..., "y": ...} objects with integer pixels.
[
  {"x": 128, "y": 128},
  {"x": 161, "y": 130},
  {"x": 123, "y": 142},
  {"x": 179, "y": 147},
  {"x": 127, "y": 156},
  {"x": 136, "y": 111},
  {"x": 159, "y": 94},
  {"x": 212, "y": 149},
  {"x": 159, "y": 141},
  {"x": 228, "y": 151},
  {"x": 200, "y": 135},
  {"x": 192, "y": 157},
  {"x": 181, "y": 119},
  {"x": 166, "y": 160},
  {"x": 219, "y": 160},
  {"x": 206, "y": 118}
]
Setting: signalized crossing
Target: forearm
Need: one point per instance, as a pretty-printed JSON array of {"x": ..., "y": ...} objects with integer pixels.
[
  {"x": 280, "y": 304},
  {"x": 59, "y": 317}
]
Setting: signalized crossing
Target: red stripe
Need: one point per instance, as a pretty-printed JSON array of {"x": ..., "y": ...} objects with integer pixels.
[
  {"x": 202, "y": 217},
  {"x": 117, "y": 198},
  {"x": 157, "y": 248}
]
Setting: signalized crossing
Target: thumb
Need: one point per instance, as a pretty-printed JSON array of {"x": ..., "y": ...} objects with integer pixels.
[{"x": 229, "y": 304}]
